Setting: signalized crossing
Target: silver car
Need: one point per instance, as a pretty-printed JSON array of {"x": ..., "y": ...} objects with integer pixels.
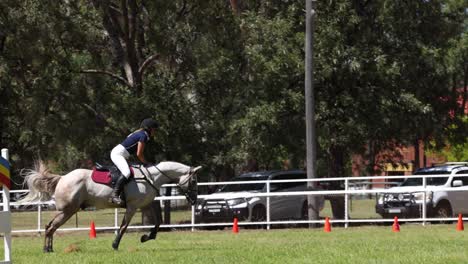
[{"x": 446, "y": 194}]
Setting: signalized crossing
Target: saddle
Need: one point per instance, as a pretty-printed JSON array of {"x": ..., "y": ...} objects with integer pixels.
[{"x": 107, "y": 175}]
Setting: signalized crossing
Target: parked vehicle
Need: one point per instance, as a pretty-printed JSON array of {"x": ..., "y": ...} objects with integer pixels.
[
  {"x": 241, "y": 200},
  {"x": 439, "y": 203}
]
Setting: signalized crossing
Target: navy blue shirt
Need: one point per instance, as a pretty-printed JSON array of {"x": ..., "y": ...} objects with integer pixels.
[{"x": 131, "y": 142}]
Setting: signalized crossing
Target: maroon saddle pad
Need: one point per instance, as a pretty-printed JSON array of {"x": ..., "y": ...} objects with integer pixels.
[
  {"x": 103, "y": 177},
  {"x": 106, "y": 177}
]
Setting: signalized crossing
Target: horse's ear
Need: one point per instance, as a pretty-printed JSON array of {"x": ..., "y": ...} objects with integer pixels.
[{"x": 197, "y": 168}]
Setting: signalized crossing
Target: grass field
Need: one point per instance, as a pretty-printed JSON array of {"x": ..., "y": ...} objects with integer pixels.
[{"x": 372, "y": 244}]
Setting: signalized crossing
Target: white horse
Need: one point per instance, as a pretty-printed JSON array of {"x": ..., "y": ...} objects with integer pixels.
[{"x": 77, "y": 190}]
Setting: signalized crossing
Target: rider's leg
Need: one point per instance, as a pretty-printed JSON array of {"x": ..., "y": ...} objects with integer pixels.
[
  {"x": 118, "y": 156},
  {"x": 115, "y": 195}
]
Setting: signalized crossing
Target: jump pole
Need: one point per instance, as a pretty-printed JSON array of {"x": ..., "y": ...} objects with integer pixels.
[{"x": 5, "y": 214}]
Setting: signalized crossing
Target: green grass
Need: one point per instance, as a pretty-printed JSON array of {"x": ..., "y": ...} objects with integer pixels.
[
  {"x": 373, "y": 244},
  {"x": 358, "y": 209}
]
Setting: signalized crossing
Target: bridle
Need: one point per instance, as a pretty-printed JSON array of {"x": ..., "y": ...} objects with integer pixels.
[{"x": 190, "y": 193}]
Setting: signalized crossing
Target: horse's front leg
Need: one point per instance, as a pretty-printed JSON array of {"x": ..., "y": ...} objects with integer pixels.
[
  {"x": 157, "y": 216},
  {"x": 123, "y": 227}
]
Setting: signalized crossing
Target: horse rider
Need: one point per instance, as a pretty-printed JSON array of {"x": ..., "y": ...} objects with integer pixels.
[{"x": 133, "y": 144}]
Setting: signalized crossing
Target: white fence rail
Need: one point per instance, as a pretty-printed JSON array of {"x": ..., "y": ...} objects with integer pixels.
[{"x": 346, "y": 193}]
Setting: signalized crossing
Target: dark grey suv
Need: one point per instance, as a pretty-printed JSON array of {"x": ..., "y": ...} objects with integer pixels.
[{"x": 242, "y": 201}]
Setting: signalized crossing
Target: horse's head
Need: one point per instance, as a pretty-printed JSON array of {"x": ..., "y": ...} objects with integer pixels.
[
  {"x": 188, "y": 185},
  {"x": 184, "y": 176}
]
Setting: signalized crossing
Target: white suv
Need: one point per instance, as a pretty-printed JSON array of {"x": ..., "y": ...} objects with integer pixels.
[
  {"x": 241, "y": 200},
  {"x": 439, "y": 203}
]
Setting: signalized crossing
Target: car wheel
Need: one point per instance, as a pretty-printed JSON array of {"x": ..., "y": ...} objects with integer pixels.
[
  {"x": 258, "y": 215},
  {"x": 443, "y": 210}
]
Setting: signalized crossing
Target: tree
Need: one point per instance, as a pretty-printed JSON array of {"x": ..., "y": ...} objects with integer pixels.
[
  {"x": 226, "y": 86},
  {"x": 124, "y": 23}
]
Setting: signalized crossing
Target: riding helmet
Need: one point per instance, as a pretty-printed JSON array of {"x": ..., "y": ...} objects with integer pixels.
[{"x": 149, "y": 123}]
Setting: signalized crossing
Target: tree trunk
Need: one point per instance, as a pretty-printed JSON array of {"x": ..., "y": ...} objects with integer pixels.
[
  {"x": 235, "y": 6},
  {"x": 338, "y": 206},
  {"x": 167, "y": 207},
  {"x": 336, "y": 169},
  {"x": 148, "y": 217},
  {"x": 417, "y": 161},
  {"x": 121, "y": 23},
  {"x": 465, "y": 91}
]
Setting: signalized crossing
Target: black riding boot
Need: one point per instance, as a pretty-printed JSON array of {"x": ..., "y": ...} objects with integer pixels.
[{"x": 115, "y": 195}]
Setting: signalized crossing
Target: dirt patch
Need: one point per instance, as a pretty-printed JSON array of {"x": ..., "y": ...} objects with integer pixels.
[{"x": 71, "y": 248}]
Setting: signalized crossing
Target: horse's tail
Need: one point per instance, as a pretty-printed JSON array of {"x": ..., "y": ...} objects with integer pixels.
[{"x": 41, "y": 183}]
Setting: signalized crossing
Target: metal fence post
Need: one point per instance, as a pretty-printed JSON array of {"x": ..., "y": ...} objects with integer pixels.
[
  {"x": 346, "y": 203},
  {"x": 193, "y": 218},
  {"x": 424, "y": 202},
  {"x": 116, "y": 220},
  {"x": 39, "y": 214},
  {"x": 268, "y": 206}
]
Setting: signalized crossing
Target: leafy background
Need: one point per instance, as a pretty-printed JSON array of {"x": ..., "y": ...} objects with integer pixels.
[{"x": 227, "y": 85}]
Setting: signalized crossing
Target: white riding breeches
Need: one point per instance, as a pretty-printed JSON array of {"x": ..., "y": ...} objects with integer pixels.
[{"x": 119, "y": 156}]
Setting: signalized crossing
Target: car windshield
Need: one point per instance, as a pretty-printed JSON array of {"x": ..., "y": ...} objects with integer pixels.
[
  {"x": 244, "y": 186},
  {"x": 429, "y": 181}
]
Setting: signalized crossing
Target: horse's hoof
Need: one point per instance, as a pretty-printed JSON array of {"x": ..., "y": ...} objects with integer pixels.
[
  {"x": 115, "y": 246},
  {"x": 48, "y": 250},
  {"x": 144, "y": 238}
]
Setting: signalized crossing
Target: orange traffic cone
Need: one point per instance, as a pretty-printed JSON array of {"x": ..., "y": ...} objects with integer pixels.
[
  {"x": 327, "y": 226},
  {"x": 396, "y": 225},
  {"x": 460, "y": 223},
  {"x": 92, "y": 230},
  {"x": 235, "y": 227}
]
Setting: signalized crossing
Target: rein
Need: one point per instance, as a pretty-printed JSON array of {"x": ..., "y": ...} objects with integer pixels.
[{"x": 145, "y": 177}]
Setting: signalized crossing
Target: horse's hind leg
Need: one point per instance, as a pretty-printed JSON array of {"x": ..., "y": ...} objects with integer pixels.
[
  {"x": 156, "y": 214},
  {"x": 123, "y": 227},
  {"x": 47, "y": 240},
  {"x": 60, "y": 218}
]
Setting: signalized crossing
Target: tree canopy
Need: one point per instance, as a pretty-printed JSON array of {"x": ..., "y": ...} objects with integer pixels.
[{"x": 225, "y": 79}]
